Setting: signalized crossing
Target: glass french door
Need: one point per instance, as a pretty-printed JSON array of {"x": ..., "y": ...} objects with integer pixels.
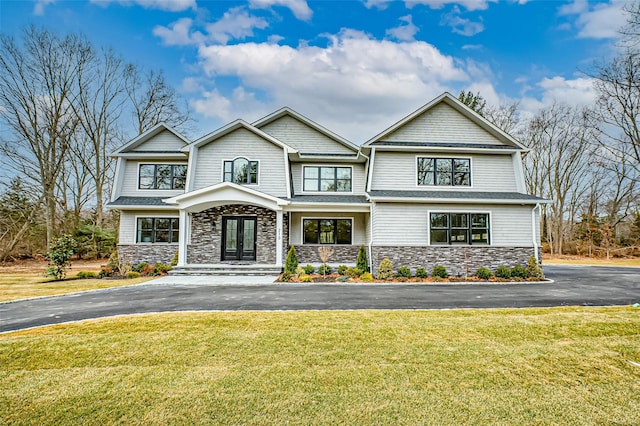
[{"x": 239, "y": 238}]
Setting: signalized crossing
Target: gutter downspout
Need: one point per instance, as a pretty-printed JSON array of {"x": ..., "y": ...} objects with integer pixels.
[{"x": 534, "y": 232}]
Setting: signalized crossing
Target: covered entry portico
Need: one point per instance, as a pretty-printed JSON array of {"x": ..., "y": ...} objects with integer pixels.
[{"x": 228, "y": 224}]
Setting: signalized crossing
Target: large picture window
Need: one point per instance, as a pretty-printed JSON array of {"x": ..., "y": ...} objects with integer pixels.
[
  {"x": 327, "y": 231},
  {"x": 444, "y": 171},
  {"x": 162, "y": 176},
  {"x": 459, "y": 228},
  {"x": 241, "y": 171},
  {"x": 327, "y": 179},
  {"x": 158, "y": 230}
]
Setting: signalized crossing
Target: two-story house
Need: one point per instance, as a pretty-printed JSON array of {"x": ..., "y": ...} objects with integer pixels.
[{"x": 441, "y": 186}]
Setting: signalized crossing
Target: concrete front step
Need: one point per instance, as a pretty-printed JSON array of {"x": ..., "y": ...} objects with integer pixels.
[{"x": 226, "y": 269}]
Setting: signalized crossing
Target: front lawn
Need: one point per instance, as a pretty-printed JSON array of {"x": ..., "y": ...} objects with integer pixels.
[{"x": 517, "y": 366}]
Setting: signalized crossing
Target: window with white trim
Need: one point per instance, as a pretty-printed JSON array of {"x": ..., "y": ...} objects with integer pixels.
[
  {"x": 459, "y": 228},
  {"x": 327, "y": 179},
  {"x": 444, "y": 171},
  {"x": 158, "y": 230},
  {"x": 162, "y": 176},
  {"x": 241, "y": 171},
  {"x": 327, "y": 231}
]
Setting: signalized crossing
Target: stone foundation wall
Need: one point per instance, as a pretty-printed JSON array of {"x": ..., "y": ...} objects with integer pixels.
[
  {"x": 206, "y": 242},
  {"x": 344, "y": 254},
  {"x": 457, "y": 259},
  {"x": 134, "y": 254}
]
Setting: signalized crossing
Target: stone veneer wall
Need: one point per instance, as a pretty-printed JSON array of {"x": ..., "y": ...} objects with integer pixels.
[
  {"x": 134, "y": 254},
  {"x": 205, "y": 242},
  {"x": 457, "y": 259},
  {"x": 344, "y": 254}
]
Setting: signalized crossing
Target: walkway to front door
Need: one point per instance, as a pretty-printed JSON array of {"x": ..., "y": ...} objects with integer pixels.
[{"x": 239, "y": 238}]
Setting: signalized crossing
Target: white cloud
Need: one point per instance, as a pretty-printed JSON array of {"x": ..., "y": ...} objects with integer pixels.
[
  {"x": 459, "y": 25},
  {"x": 299, "y": 8},
  {"x": 177, "y": 34},
  {"x": 168, "y": 5},
  {"x": 404, "y": 32},
  {"x": 378, "y": 4},
  {"x": 472, "y": 47},
  {"x": 575, "y": 92},
  {"x": 38, "y": 9},
  {"x": 355, "y": 85},
  {"x": 439, "y": 4},
  {"x": 599, "y": 20}
]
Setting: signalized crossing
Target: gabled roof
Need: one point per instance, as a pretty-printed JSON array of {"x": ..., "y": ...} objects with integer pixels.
[
  {"x": 456, "y": 104},
  {"x": 144, "y": 137},
  {"x": 231, "y": 127},
  {"x": 296, "y": 115}
]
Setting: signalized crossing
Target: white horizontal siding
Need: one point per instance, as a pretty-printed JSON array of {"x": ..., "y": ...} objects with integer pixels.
[
  {"x": 398, "y": 171},
  {"x": 407, "y": 224},
  {"x": 442, "y": 123},
  {"x": 163, "y": 141},
  {"x": 358, "y": 177},
  {"x": 303, "y": 138},
  {"x": 242, "y": 143},
  {"x": 127, "y": 234},
  {"x": 130, "y": 180},
  {"x": 358, "y": 232}
]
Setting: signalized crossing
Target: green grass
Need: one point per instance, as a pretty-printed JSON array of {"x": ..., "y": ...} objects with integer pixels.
[
  {"x": 25, "y": 285},
  {"x": 527, "y": 366}
]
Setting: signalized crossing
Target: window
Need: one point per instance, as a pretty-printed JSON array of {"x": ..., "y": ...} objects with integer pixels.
[
  {"x": 158, "y": 230},
  {"x": 327, "y": 231},
  {"x": 241, "y": 171},
  {"x": 162, "y": 176},
  {"x": 327, "y": 179},
  {"x": 459, "y": 228},
  {"x": 444, "y": 171}
]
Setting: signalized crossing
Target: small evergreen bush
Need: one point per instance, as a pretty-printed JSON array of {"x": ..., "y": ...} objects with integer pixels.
[
  {"x": 362, "y": 262},
  {"x": 59, "y": 254},
  {"x": 174, "y": 260},
  {"x": 534, "y": 270},
  {"x": 305, "y": 279},
  {"x": 324, "y": 269},
  {"x": 342, "y": 269},
  {"x": 366, "y": 277},
  {"x": 309, "y": 269},
  {"x": 140, "y": 267},
  {"x": 385, "y": 270},
  {"x": 292, "y": 260},
  {"x": 354, "y": 272},
  {"x": 299, "y": 271},
  {"x": 105, "y": 271},
  {"x": 484, "y": 273},
  {"x": 85, "y": 274},
  {"x": 503, "y": 272},
  {"x": 133, "y": 274},
  {"x": 285, "y": 277},
  {"x": 518, "y": 272},
  {"x": 403, "y": 272},
  {"x": 160, "y": 269},
  {"x": 421, "y": 273},
  {"x": 439, "y": 271}
]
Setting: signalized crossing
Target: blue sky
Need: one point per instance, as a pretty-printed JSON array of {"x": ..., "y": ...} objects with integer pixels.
[{"x": 353, "y": 66}]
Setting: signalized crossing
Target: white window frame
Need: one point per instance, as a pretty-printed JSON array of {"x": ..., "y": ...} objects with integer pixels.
[
  {"x": 443, "y": 187},
  {"x": 465, "y": 211}
]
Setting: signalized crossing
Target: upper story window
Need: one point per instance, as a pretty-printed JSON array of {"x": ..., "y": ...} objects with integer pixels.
[
  {"x": 444, "y": 171},
  {"x": 158, "y": 230},
  {"x": 162, "y": 176},
  {"x": 327, "y": 179},
  {"x": 459, "y": 228},
  {"x": 241, "y": 171}
]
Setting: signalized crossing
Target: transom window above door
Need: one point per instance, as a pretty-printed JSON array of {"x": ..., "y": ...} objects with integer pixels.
[
  {"x": 241, "y": 171},
  {"x": 327, "y": 179},
  {"x": 444, "y": 171},
  {"x": 162, "y": 176}
]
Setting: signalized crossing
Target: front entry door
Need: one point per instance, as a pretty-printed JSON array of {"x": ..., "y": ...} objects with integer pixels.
[{"x": 239, "y": 238}]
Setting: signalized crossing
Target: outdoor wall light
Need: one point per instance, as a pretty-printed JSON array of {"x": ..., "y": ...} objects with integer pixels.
[
  {"x": 265, "y": 226},
  {"x": 213, "y": 225}
]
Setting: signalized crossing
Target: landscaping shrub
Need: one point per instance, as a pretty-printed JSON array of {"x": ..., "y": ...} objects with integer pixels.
[
  {"x": 503, "y": 272},
  {"x": 105, "y": 271},
  {"x": 324, "y": 269},
  {"x": 299, "y": 271},
  {"x": 174, "y": 260},
  {"x": 309, "y": 269},
  {"x": 286, "y": 276},
  {"x": 484, "y": 273},
  {"x": 385, "y": 270},
  {"x": 342, "y": 269},
  {"x": 292, "y": 260},
  {"x": 362, "y": 262},
  {"x": 132, "y": 274},
  {"x": 439, "y": 271},
  {"x": 59, "y": 254},
  {"x": 85, "y": 274},
  {"x": 421, "y": 273},
  {"x": 160, "y": 269},
  {"x": 403, "y": 272},
  {"x": 354, "y": 272},
  {"x": 125, "y": 269},
  {"x": 114, "y": 260},
  {"x": 140, "y": 267},
  {"x": 305, "y": 279},
  {"x": 366, "y": 277},
  {"x": 518, "y": 272},
  {"x": 534, "y": 270}
]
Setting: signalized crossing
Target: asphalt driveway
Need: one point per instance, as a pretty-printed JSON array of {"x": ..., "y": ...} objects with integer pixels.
[{"x": 572, "y": 286}]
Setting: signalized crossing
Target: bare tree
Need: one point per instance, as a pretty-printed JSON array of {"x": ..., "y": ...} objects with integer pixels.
[
  {"x": 505, "y": 116},
  {"x": 38, "y": 85}
]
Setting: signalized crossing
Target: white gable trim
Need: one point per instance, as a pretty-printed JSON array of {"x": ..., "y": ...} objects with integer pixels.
[{"x": 144, "y": 137}]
